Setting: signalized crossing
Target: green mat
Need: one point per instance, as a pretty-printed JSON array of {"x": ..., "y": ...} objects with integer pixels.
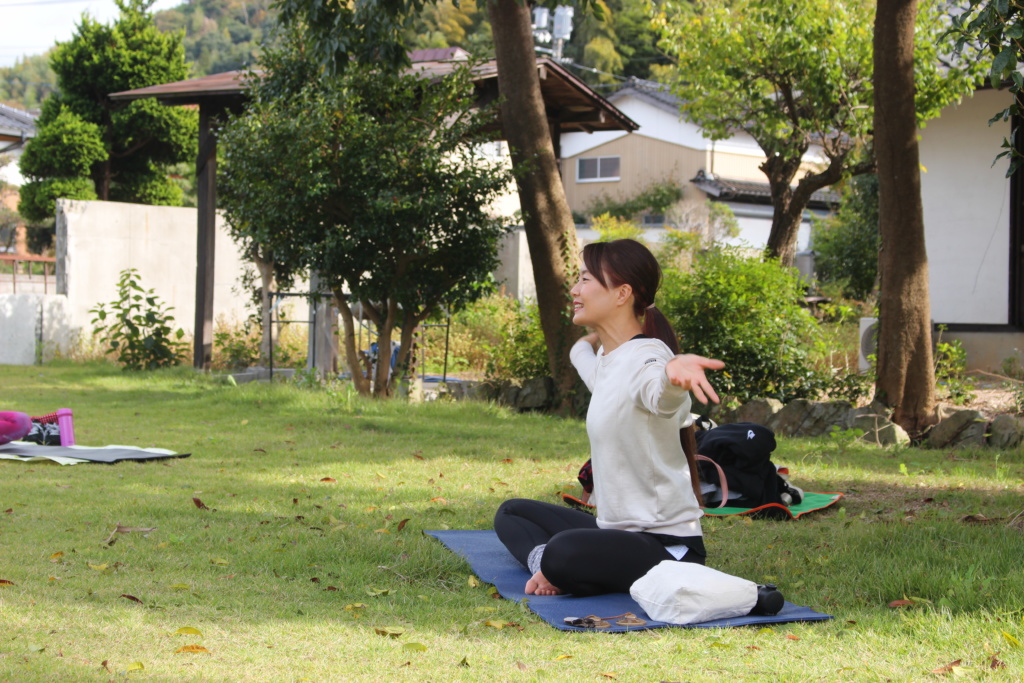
[{"x": 811, "y": 502}]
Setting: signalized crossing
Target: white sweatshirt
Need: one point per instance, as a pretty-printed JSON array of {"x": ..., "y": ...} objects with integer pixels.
[{"x": 641, "y": 478}]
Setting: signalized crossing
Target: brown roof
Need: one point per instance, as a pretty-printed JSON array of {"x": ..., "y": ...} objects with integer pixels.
[
  {"x": 570, "y": 102},
  {"x": 753, "y": 192}
]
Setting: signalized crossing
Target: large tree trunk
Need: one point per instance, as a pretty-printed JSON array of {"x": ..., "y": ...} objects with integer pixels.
[
  {"x": 785, "y": 221},
  {"x": 906, "y": 375},
  {"x": 550, "y": 232}
]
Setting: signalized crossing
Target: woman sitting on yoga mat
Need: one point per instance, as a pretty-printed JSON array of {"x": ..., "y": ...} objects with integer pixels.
[{"x": 645, "y": 486}]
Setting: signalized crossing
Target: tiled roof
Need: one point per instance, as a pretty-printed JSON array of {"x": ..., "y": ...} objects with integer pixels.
[
  {"x": 752, "y": 192},
  {"x": 16, "y": 124},
  {"x": 653, "y": 92}
]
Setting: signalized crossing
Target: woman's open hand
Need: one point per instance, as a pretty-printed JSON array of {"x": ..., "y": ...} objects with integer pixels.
[{"x": 687, "y": 371}]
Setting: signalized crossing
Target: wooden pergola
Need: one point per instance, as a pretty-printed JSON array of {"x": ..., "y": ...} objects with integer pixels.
[{"x": 572, "y": 106}]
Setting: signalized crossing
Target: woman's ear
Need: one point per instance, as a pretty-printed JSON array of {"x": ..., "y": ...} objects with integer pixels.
[{"x": 625, "y": 294}]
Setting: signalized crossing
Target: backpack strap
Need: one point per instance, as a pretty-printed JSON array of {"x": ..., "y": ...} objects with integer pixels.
[{"x": 722, "y": 483}]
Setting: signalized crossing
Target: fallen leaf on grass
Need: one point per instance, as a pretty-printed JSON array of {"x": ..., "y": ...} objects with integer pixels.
[
  {"x": 329, "y": 480},
  {"x": 188, "y": 630},
  {"x": 995, "y": 663},
  {"x": 136, "y": 666},
  {"x": 401, "y": 525},
  {"x": 389, "y": 631},
  {"x": 901, "y": 603},
  {"x": 355, "y": 605},
  {"x": 610, "y": 675},
  {"x": 948, "y": 668},
  {"x": 416, "y": 647},
  {"x": 98, "y": 567},
  {"x": 792, "y": 637},
  {"x": 55, "y": 558},
  {"x": 562, "y": 657},
  {"x": 180, "y": 587},
  {"x": 190, "y": 648},
  {"x": 493, "y": 623},
  {"x": 200, "y": 504},
  {"x": 377, "y": 592},
  {"x": 1010, "y": 639},
  {"x": 464, "y": 662},
  {"x": 127, "y": 530},
  {"x": 220, "y": 562},
  {"x": 473, "y": 581},
  {"x": 132, "y": 598},
  {"x": 104, "y": 665},
  {"x": 977, "y": 519},
  {"x": 4, "y": 583}
]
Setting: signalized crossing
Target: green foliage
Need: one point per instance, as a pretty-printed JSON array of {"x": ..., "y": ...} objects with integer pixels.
[
  {"x": 39, "y": 197},
  {"x": 951, "y": 370},
  {"x": 374, "y": 180},
  {"x": 137, "y": 328},
  {"x": 846, "y": 244},
  {"x": 521, "y": 352},
  {"x": 746, "y": 312},
  {"x": 26, "y": 84},
  {"x": 656, "y": 198},
  {"x": 473, "y": 338},
  {"x": 220, "y": 35},
  {"x": 610, "y": 228},
  {"x": 123, "y": 149},
  {"x": 991, "y": 32}
]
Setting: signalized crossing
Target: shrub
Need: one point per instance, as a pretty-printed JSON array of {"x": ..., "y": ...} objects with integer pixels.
[
  {"x": 475, "y": 332},
  {"x": 746, "y": 312},
  {"x": 846, "y": 244},
  {"x": 139, "y": 330},
  {"x": 521, "y": 352}
]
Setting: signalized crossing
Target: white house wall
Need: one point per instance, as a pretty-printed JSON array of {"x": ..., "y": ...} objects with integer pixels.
[{"x": 966, "y": 211}]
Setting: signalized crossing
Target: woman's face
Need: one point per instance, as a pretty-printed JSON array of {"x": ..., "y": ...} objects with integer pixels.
[{"x": 592, "y": 302}]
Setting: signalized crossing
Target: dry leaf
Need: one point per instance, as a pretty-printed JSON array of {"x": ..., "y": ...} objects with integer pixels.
[
  {"x": 521, "y": 666},
  {"x": 355, "y": 606},
  {"x": 995, "y": 663},
  {"x": 389, "y": 631},
  {"x": 4, "y": 583},
  {"x": 200, "y": 504},
  {"x": 136, "y": 666},
  {"x": 417, "y": 647},
  {"x": 418, "y": 456},
  {"x": 901, "y": 603},
  {"x": 563, "y": 657},
  {"x": 188, "y": 630},
  {"x": 609, "y": 675},
  {"x": 401, "y": 525},
  {"x": 495, "y": 624},
  {"x": 132, "y": 598},
  {"x": 977, "y": 519},
  {"x": 473, "y": 581},
  {"x": 98, "y": 567},
  {"x": 55, "y": 558},
  {"x": 792, "y": 637},
  {"x": 190, "y": 649},
  {"x": 440, "y": 500},
  {"x": 947, "y": 668},
  {"x": 329, "y": 480}
]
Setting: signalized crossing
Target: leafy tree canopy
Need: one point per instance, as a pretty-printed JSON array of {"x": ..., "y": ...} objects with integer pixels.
[
  {"x": 797, "y": 74},
  {"x": 372, "y": 180},
  {"x": 120, "y": 149}
]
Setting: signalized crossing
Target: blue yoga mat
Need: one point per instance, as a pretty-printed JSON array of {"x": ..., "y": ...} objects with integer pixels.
[{"x": 492, "y": 563}]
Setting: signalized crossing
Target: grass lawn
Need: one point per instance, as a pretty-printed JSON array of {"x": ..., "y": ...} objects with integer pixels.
[{"x": 312, "y": 546}]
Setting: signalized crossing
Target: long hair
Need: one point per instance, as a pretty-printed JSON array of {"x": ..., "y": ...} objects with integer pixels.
[{"x": 627, "y": 262}]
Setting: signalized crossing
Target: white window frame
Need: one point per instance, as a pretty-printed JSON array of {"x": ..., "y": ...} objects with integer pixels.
[{"x": 599, "y": 178}]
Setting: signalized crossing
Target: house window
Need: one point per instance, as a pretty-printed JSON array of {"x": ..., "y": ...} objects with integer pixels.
[
  {"x": 654, "y": 219},
  {"x": 597, "y": 169}
]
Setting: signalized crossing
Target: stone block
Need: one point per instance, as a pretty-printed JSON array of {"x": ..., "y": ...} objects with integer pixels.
[
  {"x": 960, "y": 428},
  {"x": 802, "y": 417},
  {"x": 759, "y": 411},
  {"x": 1006, "y": 431}
]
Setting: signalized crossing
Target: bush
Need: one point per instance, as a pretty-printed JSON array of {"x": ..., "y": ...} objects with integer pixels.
[
  {"x": 475, "y": 332},
  {"x": 846, "y": 244},
  {"x": 745, "y": 312},
  {"x": 520, "y": 352},
  {"x": 139, "y": 330}
]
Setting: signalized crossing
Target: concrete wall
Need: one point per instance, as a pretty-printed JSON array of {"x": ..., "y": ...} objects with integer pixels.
[
  {"x": 97, "y": 240},
  {"x": 33, "y": 327}
]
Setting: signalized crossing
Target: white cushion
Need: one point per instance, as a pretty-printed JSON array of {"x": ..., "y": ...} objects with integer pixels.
[{"x": 688, "y": 593}]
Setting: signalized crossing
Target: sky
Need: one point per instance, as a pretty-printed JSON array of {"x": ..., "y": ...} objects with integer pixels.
[{"x": 30, "y": 27}]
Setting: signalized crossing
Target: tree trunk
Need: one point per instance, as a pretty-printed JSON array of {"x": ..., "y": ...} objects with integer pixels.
[
  {"x": 906, "y": 375},
  {"x": 785, "y": 221},
  {"x": 267, "y": 285},
  {"x": 550, "y": 232},
  {"x": 355, "y": 366}
]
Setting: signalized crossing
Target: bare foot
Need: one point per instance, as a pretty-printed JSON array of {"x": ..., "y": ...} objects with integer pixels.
[{"x": 538, "y": 585}]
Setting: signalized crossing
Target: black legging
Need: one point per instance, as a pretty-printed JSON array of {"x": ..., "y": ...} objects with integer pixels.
[{"x": 579, "y": 558}]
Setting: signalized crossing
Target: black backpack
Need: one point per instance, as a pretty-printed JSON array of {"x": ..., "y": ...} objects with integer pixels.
[{"x": 737, "y": 457}]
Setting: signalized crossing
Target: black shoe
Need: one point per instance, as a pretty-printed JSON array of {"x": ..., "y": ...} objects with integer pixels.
[
  {"x": 769, "y": 600},
  {"x": 790, "y": 495}
]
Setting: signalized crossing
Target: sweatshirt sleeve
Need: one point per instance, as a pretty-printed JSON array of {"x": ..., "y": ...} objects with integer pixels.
[
  {"x": 584, "y": 359},
  {"x": 652, "y": 390}
]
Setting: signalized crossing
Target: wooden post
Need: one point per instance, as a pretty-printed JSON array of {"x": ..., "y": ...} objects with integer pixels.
[{"x": 206, "y": 189}]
